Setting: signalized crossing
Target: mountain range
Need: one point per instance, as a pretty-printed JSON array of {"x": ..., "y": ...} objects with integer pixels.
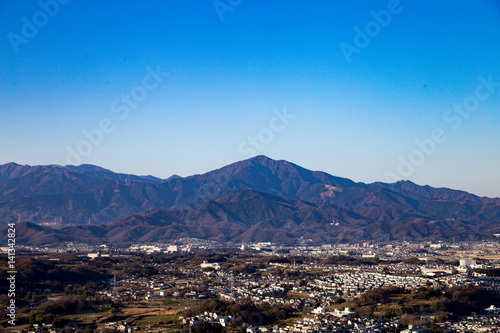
[{"x": 259, "y": 199}]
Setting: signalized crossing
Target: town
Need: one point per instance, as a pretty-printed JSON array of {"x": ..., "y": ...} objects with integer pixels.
[{"x": 201, "y": 285}]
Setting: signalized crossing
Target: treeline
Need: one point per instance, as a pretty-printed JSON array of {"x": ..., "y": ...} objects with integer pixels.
[
  {"x": 448, "y": 303},
  {"x": 347, "y": 260},
  {"x": 41, "y": 274},
  {"x": 488, "y": 271},
  {"x": 52, "y": 311}
]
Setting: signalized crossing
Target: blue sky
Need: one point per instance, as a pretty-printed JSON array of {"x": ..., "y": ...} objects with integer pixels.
[{"x": 236, "y": 67}]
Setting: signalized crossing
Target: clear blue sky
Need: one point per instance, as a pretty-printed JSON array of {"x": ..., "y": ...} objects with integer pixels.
[{"x": 356, "y": 116}]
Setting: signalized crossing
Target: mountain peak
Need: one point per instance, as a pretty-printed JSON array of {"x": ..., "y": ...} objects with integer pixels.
[
  {"x": 267, "y": 162},
  {"x": 254, "y": 199},
  {"x": 260, "y": 159}
]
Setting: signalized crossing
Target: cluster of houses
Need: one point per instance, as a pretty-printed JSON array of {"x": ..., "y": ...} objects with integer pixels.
[
  {"x": 39, "y": 328},
  {"x": 352, "y": 284},
  {"x": 320, "y": 321},
  {"x": 208, "y": 317},
  {"x": 473, "y": 324},
  {"x": 121, "y": 326}
]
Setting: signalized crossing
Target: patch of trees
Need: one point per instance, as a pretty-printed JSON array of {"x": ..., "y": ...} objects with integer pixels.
[
  {"x": 449, "y": 303},
  {"x": 51, "y": 311},
  {"x": 204, "y": 328},
  {"x": 71, "y": 305},
  {"x": 140, "y": 269},
  {"x": 412, "y": 261},
  {"x": 427, "y": 293},
  {"x": 380, "y": 295},
  {"x": 346, "y": 260},
  {"x": 467, "y": 299},
  {"x": 248, "y": 269},
  {"x": 288, "y": 260},
  {"x": 488, "y": 271},
  {"x": 246, "y": 312},
  {"x": 41, "y": 274}
]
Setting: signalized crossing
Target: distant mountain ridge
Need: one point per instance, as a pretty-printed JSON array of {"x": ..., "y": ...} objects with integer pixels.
[
  {"x": 251, "y": 216},
  {"x": 11, "y": 171},
  {"x": 78, "y": 195}
]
